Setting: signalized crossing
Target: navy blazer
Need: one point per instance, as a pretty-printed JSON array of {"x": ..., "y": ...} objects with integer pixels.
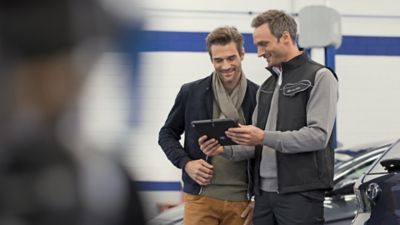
[{"x": 194, "y": 102}]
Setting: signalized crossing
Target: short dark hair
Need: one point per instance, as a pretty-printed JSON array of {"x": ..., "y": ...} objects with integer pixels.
[
  {"x": 224, "y": 35},
  {"x": 278, "y": 22}
]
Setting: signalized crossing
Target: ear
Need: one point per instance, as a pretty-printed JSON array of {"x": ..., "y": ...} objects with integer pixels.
[
  {"x": 286, "y": 37},
  {"x": 241, "y": 53}
]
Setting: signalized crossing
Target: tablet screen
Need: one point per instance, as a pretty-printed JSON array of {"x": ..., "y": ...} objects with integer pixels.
[{"x": 215, "y": 129}]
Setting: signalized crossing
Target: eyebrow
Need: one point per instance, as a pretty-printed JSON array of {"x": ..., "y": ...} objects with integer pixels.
[
  {"x": 261, "y": 43},
  {"x": 229, "y": 56}
]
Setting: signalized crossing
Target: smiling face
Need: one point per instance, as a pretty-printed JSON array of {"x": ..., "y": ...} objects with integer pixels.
[
  {"x": 272, "y": 48},
  {"x": 275, "y": 50},
  {"x": 227, "y": 62}
]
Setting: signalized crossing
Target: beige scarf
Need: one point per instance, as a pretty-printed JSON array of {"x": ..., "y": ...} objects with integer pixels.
[{"x": 229, "y": 105}]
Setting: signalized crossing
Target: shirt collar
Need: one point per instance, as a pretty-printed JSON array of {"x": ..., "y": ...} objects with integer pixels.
[{"x": 278, "y": 72}]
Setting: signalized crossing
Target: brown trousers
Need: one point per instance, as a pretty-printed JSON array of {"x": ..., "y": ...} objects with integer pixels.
[{"x": 203, "y": 210}]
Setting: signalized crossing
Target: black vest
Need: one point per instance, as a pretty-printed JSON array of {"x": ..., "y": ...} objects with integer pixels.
[{"x": 300, "y": 171}]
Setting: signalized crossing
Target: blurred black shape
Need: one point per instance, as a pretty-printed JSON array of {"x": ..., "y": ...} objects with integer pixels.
[{"x": 46, "y": 48}]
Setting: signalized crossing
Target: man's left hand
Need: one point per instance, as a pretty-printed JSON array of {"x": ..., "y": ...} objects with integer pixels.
[{"x": 210, "y": 147}]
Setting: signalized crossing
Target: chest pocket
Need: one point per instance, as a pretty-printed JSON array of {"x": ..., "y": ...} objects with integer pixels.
[{"x": 291, "y": 89}]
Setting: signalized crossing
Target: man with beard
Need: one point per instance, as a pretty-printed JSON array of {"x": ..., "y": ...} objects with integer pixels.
[{"x": 217, "y": 191}]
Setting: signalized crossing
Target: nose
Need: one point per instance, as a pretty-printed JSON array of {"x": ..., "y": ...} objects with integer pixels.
[
  {"x": 260, "y": 51},
  {"x": 226, "y": 65}
]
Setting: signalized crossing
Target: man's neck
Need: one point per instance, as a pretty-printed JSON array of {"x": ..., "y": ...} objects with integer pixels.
[
  {"x": 293, "y": 53},
  {"x": 232, "y": 85}
]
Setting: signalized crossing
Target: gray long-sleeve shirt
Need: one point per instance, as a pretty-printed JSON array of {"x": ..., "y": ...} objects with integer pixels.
[{"x": 321, "y": 112}]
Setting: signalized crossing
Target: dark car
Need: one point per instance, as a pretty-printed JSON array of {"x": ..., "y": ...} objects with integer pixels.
[
  {"x": 340, "y": 203},
  {"x": 378, "y": 191}
]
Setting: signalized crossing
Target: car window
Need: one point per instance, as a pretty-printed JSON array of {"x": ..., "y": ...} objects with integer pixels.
[
  {"x": 350, "y": 176},
  {"x": 368, "y": 157},
  {"x": 393, "y": 152}
]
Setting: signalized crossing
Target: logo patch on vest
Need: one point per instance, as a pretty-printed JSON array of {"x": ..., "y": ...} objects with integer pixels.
[{"x": 291, "y": 89}]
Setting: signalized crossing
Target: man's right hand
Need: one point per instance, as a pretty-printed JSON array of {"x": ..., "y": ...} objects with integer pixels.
[{"x": 200, "y": 171}]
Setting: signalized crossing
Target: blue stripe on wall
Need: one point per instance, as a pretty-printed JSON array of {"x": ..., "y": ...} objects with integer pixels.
[
  {"x": 174, "y": 41},
  {"x": 161, "y": 41},
  {"x": 158, "y": 185},
  {"x": 363, "y": 45},
  {"x": 195, "y": 42}
]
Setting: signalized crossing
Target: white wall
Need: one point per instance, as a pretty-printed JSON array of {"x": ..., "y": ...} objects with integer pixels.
[{"x": 369, "y": 89}]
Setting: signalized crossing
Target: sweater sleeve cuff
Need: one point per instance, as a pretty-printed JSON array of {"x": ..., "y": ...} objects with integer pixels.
[
  {"x": 183, "y": 162},
  {"x": 272, "y": 139},
  {"x": 228, "y": 152}
]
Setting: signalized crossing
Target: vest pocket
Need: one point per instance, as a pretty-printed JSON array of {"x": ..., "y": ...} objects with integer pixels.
[{"x": 300, "y": 168}]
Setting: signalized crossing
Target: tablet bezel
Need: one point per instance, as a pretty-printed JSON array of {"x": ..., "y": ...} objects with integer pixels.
[{"x": 215, "y": 128}]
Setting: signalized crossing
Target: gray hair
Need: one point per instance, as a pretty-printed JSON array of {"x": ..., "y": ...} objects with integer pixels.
[{"x": 278, "y": 22}]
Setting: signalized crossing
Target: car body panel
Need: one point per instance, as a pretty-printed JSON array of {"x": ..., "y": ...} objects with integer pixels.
[{"x": 378, "y": 191}]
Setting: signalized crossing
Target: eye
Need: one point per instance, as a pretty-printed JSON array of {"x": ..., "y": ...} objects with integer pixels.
[
  {"x": 232, "y": 58},
  {"x": 263, "y": 44}
]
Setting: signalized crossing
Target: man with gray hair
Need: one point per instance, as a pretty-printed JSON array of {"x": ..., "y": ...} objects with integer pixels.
[{"x": 291, "y": 134}]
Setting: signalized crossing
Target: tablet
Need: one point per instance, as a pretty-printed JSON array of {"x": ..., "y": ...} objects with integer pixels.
[{"x": 215, "y": 129}]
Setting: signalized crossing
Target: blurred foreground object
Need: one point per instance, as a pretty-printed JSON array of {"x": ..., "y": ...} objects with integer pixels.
[{"x": 47, "y": 177}]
